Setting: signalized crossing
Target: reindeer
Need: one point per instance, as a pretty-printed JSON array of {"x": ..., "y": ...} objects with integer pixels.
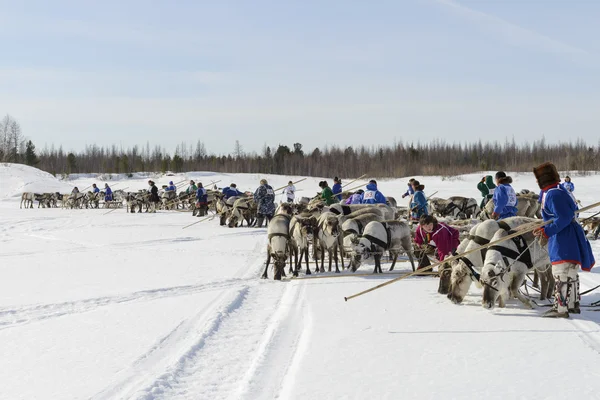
[
  {"x": 354, "y": 227},
  {"x": 391, "y": 201},
  {"x": 378, "y": 237},
  {"x": 527, "y": 206},
  {"x": 302, "y": 232},
  {"x": 223, "y": 207},
  {"x": 456, "y": 206},
  {"x": 94, "y": 198},
  {"x": 27, "y": 197},
  {"x": 328, "y": 239},
  {"x": 244, "y": 209},
  {"x": 506, "y": 265},
  {"x": 279, "y": 247}
]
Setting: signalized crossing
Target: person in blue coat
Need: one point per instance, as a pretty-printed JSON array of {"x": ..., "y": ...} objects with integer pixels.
[
  {"x": 108, "y": 194},
  {"x": 505, "y": 198},
  {"x": 410, "y": 190},
  {"x": 567, "y": 184},
  {"x": 372, "y": 195},
  {"x": 418, "y": 205},
  {"x": 171, "y": 187},
  {"x": 568, "y": 247},
  {"x": 231, "y": 191},
  {"x": 201, "y": 200},
  {"x": 337, "y": 188},
  {"x": 95, "y": 189}
]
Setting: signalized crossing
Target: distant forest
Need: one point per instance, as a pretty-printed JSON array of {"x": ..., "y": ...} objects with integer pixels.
[{"x": 400, "y": 159}]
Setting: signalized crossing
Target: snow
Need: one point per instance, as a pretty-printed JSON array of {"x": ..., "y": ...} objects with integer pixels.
[{"x": 132, "y": 306}]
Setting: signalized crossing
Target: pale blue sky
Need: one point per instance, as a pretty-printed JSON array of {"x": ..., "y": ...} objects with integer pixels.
[{"x": 315, "y": 72}]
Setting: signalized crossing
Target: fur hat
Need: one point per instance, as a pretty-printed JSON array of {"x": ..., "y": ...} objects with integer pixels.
[
  {"x": 500, "y": 175},
  {"x": 263, "y": 181},
  {"x": 546, "y": 175}
]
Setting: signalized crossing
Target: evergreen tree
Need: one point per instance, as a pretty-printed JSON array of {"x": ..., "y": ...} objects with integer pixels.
[{"x": 30, "y": 157}]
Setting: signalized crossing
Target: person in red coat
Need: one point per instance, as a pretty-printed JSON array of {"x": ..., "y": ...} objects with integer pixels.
[{"x": 443, "y": 237}]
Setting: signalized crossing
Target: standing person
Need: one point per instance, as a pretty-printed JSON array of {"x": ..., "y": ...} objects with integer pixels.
[
  {"x": 201, "y": 200},
  {"x": 192, "y": 189},
  {"x": 289, "y": 192},
  {"x": 437, "y": 234},
  {"x": 486, "y": 187},
  {"x": 505, "y": 198},
  {"x": 567, "y": 245},
  {"x": 95, "y": 198},
  {"x": 418, "y": 206},
  {"x": 153, "y": 196},
  {"x": 410, "y": 190},
  {"x": 372, "y": 195},
  {"x": 355, "y": 198},
  {"x": 108, "y": 194},
  {"x": 568, "y": 184},
  {"x": 265, "y": 202},
  {"x": 74, "y": 192},
  {"x": 327, "y": 193},
  {"x": 337, "y": 188}
]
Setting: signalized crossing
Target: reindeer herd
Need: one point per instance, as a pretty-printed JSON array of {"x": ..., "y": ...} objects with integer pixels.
[
  {"x": 77, "y": 200},
  {"x": 346, "y": 236},
  {"x": 359, "y": 232}
]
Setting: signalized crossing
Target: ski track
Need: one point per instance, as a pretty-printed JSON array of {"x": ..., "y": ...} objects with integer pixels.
[
  {"x": 10, "y": 318},
  {"x": 253, "y": 333},
  {"x": 18, "y": 316},
  {"x": 162, "y": 371}
]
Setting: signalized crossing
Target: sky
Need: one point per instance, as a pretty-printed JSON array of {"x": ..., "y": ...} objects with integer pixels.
[{"x": 325, "y": 72}]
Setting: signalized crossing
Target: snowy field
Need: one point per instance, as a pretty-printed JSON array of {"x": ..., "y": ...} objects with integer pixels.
[{"x": 132, "y": 306}]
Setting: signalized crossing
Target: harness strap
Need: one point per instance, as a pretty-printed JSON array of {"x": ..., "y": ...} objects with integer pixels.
[
  {"x": 504, "y": 225},
  {"x": 346, "y": 210},
  {"x": 523, "y": 254},
  {"x": 505, "y": 252},
  {"x": 480, "y": 241},
  {"x": 377, "y": 241},
  {"x": 471, "y": 267},
  {"x": 380, "y": 242},
  {"x": 361, "y": 227},
  {"x": 285, "y": 235}
]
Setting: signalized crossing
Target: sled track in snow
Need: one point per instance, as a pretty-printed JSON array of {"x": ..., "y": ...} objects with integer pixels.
[
  {"x": 10, "y": 318},
  {"x": 252, "y": 333}
]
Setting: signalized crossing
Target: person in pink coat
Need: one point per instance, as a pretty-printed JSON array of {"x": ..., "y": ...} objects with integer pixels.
[{"x": 443, "y": 237}]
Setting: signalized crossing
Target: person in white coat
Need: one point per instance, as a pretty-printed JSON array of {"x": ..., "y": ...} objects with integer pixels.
[{"x": 289, "y": 192}]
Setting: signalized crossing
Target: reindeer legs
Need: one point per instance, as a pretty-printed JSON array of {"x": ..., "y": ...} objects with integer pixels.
[
  {"x": 306, "y": 258},
  {"x": 514, "y": 291},
  {"x": 377, "y": 264},
  {"x": 394, "y": 259},
  {"x": 265, "y": 275}
]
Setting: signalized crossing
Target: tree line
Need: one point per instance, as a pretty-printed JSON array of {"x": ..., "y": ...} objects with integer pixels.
[{"x": 400, "y": 159}]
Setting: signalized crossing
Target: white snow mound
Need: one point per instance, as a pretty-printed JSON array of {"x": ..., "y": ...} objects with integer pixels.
[{"x": 18, "y": 178}]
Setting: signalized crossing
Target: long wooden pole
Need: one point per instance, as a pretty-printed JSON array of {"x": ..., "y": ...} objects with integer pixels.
[
  {"x": 431, "y": 195},
  {"x": 283, "y": 187},
  {"x": 521, "y": 230},
  {"x": 197, "y": 222},
  {"x": 348, "y": 190},
  {"x": 351, "y": 182}
]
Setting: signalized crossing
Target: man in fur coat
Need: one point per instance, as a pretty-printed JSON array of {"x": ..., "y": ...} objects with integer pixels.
[{"x": 567, "y": 245}]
